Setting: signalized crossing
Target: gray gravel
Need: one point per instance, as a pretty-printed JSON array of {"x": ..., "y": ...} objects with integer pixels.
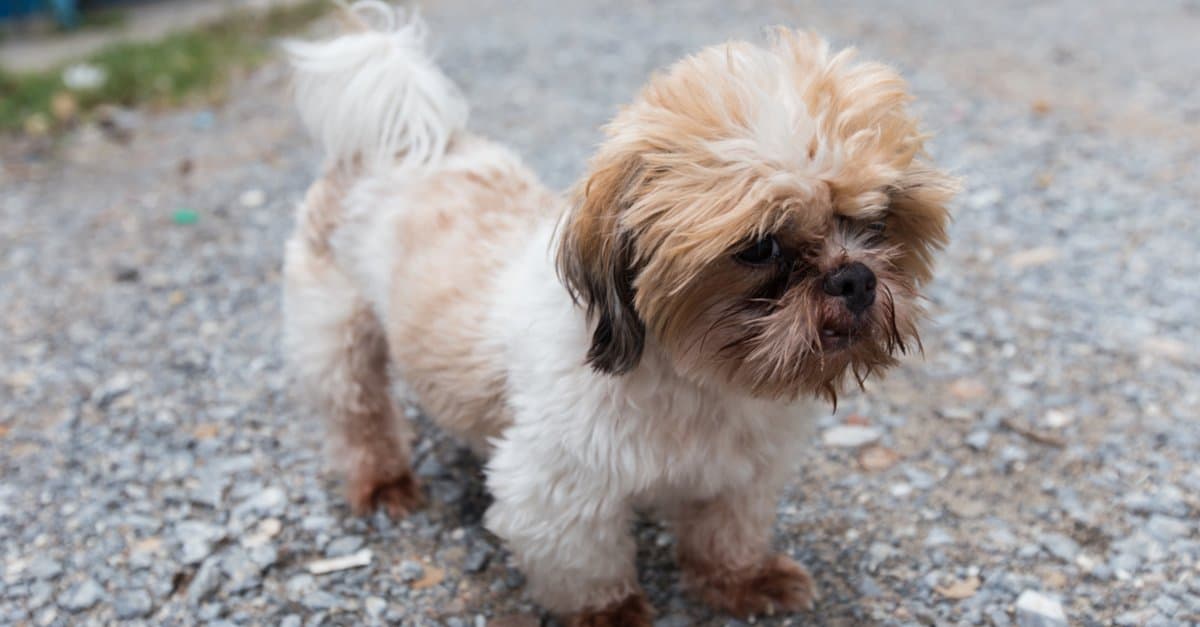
[{"x": 1043, "y": 456}]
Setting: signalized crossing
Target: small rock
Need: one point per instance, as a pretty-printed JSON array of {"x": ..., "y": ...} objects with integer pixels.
[
  {"x": 962, "y": 414},
  {"x": 268, "y": 502},
  {"x": 291, "y": 620},
  {"x": 877, "y": 458},
  {"x": 919, "y": 479},
  {"x": 1168, "y": 501},
  {"x": 1057, "y": 419},
  {"x": 1013, "y": 454},
  {"x": 300, "y": 586},
  {"x": 82, "y": 596},
  {"x": 343, "y": 546},
  {"x": 126, "y": 274},
  {"x": 411, "y": 571},
  {"x": 1060, "y": 546},
  {"x": 252, "y": 198},
  {"x": 478, "y": 558},
  {"x": 198, "y": 540},
  {"x": 205, "y": 583},
  {"x": 243, "y": 572},
  {"x": 1035, "y": 609},
  {"x": 1166, "y": 528},
  {"x": 344, "y": 562},
  {"x": 968, "y": 389},
  {"x": 958, "y": 590},
  {"x": 850, "y": 436},
  {"x": 938, "y": 537},
  {"x": 1033, "y": 257},
  {"x": 44, "y": 568},
  {"x": 978, "y": 440},
  {"x": 133, "y": 604},
  {"x": 374, "y": 606},
  {"x": 264, "y": 555}
]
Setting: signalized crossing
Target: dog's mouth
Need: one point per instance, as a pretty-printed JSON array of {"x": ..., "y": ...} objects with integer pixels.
[{"x": 838, "y": 335}]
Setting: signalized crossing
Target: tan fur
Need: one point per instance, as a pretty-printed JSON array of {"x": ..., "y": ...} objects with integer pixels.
[
  {"x": 702, "y": 164},
  {"x": 455, "y": 250}
]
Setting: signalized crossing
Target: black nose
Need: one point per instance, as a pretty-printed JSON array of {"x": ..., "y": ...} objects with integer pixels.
[{"x": 855, "y": 283}]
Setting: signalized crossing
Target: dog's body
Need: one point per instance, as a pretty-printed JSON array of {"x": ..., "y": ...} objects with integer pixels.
[{"x": 435, "y": 250}]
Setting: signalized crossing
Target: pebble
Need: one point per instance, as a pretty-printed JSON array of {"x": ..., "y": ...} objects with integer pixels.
[
  {"x": 1035, "y": 609},
  {"x": 199, "y": 540},
  {"x": 1166, "y": 528},
  {"x": 411, "y": 571},
  {"x": 205, "y": 582},
  {"x": 343, "y": 546},
  {"x": 82, "y": 596},
  {"x": 850, "y": 436},
  {"x": 45, "y": 568},
  {"x": 1060, "y": 546},
  {"x": 252, "y": 198},
  {"x": 133, "y": 604},
  {"x": 938, "y": 536},
  {"x": 978, "y": 439},
  {"x": 268, "y": 502},
  {"x": 477, "y": 558},
  {"x": 242, "y": 572}
]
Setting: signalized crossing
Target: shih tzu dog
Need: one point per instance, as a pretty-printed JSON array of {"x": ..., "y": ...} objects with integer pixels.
[{"x": 751, "y": 235}]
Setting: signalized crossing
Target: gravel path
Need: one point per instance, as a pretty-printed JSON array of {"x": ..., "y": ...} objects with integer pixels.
[{"x": 1044, "y": 456}]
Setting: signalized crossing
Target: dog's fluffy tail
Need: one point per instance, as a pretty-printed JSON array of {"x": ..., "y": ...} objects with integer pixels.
[{"x": 375, "y": 94}]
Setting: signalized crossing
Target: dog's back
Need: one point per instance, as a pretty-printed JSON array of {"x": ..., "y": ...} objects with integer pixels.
[{"x": 410, "y": 213}]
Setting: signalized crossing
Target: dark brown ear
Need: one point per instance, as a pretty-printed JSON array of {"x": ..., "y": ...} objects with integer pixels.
[{"x": 596, "y": 263}]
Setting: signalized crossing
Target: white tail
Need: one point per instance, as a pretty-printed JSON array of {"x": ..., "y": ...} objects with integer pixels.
[{"x": 376, "y": 94}]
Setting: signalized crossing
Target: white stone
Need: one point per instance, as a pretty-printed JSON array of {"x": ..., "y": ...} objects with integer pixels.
[
  {"x": 345, "y": 562},
  {"x": 1035, "y": 609},
  {"x": 253, "y": 198},
  {"x": 850, "y": 436}
]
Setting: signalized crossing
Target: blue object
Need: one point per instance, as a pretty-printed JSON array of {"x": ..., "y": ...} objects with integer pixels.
[{"x": 65, "y": 12}]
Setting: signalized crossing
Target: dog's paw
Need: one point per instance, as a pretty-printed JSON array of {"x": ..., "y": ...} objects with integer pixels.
[
  {"x": 632, "y": 611},
  {"x": 779, "y": 585},
  {"x": 399, "y": 496}
]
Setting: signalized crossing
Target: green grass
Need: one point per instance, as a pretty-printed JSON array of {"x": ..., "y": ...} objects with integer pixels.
[{"x": 188, "y": 66}]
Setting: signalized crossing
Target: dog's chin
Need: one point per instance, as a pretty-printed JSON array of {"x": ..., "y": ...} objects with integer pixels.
[
  {"x": 843, "y": 351},
  {"x": 837, "y": 336}
]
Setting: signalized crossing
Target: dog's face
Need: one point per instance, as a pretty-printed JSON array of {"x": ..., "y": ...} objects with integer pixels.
[{"x": 763, "y": 216}]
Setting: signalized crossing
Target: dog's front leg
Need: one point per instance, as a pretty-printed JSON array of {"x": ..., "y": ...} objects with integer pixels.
[
  {"x": 570, "y": 533},
  {"x": 724, "y": 550}
]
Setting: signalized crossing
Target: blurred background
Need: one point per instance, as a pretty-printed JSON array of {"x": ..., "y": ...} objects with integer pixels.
[{"x": 1038, "y": 465}]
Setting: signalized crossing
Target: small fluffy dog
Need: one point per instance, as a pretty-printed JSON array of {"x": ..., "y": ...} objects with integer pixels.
[{"x": 752, "y": 233}]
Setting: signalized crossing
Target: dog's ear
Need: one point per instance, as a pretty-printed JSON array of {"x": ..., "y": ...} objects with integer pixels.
[
  {"x": 596, "y": 262},
  {"x": 918, "y": 217}
]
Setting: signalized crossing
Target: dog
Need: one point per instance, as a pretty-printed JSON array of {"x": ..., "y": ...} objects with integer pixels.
[{"x": 752, "y": 235}]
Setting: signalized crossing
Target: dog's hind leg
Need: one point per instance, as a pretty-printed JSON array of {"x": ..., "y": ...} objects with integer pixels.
[{"x": 337, "y": 348}]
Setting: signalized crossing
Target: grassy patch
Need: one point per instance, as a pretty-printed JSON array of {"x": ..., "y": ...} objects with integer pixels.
[{"x": 185, "y": 66}]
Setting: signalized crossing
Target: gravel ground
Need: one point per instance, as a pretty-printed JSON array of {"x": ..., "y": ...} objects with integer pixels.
[{"x": 1041, "y": 460}]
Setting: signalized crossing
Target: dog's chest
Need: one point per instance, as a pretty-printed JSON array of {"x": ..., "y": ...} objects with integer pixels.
[{"x": 698, "y": 446}]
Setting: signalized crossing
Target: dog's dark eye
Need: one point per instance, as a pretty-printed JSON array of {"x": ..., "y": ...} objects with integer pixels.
[
  {"x": 877, "y": 227},
  {"x": 765, "y": 250}
]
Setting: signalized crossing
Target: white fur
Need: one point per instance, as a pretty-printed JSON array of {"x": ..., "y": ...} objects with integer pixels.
[
  {"x": 376, "y": 94},
  {"x": 585, "y": 449}
]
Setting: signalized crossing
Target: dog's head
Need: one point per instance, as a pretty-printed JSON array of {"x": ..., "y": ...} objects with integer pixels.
[{"x": 763, "y": 215}]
